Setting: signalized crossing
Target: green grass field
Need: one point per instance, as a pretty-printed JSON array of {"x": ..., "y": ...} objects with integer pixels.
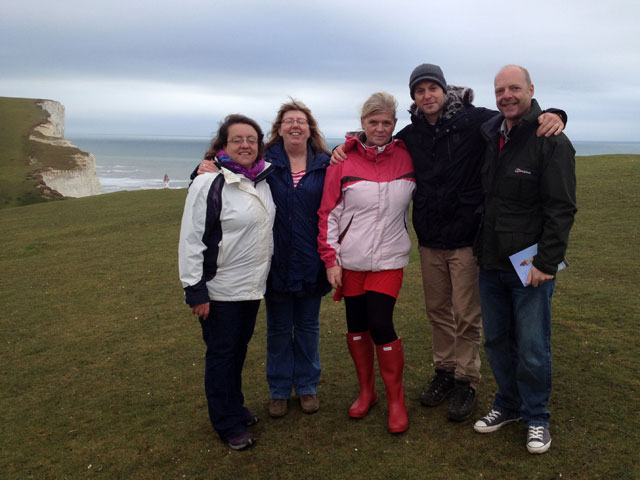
[{"x": 101, "y": 363}]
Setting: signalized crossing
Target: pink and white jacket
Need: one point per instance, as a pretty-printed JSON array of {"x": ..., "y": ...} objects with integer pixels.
[{"x": 365, "y": 208}]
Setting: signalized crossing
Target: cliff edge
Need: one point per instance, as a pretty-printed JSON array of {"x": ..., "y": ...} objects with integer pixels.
[{"x": 64, "y": 169}]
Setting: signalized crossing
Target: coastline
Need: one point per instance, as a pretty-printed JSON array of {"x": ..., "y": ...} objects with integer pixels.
[{"x": 140, "y": 162}]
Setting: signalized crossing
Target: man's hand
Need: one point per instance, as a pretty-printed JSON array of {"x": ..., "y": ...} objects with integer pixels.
[
  {"x": 207, "y": 166},
  {"x": 334, "y": 275},
  {"x": 536, "y": 277},
  {"x": 338, "y": 155},
  {"x": 201, "y": 310},
  {"x": 550, "y": 124}
]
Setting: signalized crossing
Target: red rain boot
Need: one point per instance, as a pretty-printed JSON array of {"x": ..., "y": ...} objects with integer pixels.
[
  {"x": 391, "y": 363},
  {"x": 361, "y": 350}
]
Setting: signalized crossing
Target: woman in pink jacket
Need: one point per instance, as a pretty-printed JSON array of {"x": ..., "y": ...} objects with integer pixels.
[{"x": 364, "y": 243}]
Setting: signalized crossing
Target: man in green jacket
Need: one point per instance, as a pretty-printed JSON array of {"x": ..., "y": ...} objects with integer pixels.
[{"x": 530, "y": 199}]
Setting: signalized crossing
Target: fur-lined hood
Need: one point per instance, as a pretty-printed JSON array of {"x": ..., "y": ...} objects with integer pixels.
[{"x": 457, "y": 97}]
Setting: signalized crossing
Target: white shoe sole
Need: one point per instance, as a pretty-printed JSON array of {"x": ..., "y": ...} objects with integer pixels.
[
  {"x": 537, "y": 450},
  {"x": 485, "y": 429}
]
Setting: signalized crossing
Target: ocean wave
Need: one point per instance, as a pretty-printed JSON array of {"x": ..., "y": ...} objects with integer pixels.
[{"x": 114, "y": 184}]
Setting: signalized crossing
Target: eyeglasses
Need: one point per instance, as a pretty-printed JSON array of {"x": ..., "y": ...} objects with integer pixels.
[
  {"x": 239, "y": 140},
  {"x": 291, "y": 121}
]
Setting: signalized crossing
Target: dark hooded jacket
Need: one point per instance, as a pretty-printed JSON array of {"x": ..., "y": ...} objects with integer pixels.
[
  {"x": 530, "y": 189},
  {"x": 447, "y": 158}
]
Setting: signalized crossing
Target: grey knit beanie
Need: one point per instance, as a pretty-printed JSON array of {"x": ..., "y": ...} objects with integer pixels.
[{"x": 427, "y": 71}]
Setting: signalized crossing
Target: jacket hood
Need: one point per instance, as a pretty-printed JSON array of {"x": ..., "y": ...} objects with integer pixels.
[
  {"x": 456, "y": 99},
  {"x": 355, "y": 141}
]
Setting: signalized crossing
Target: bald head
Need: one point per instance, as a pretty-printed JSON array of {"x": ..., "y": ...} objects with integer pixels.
[
  {"x": 524, "y": 71},
  {"x": 514, "y": 92}
]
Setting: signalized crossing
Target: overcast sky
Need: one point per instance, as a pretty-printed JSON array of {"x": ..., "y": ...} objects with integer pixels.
[{"x": 167, "y": 67}]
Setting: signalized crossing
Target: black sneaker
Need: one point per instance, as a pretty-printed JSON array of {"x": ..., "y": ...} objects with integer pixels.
[
  {"x": 463, "y": 401},
  {"x": 242, "y": 441},
  {"x": 495, "y": 420},
  {"x": 250, "y": 418},
  {"x": 440, "y": 387}
]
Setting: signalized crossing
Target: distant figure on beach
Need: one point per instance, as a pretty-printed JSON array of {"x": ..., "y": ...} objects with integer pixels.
[
  {"x": 166, "y": 180},
  {"x": 529, "y": 184},
  {"x": 225, "y": 250}
]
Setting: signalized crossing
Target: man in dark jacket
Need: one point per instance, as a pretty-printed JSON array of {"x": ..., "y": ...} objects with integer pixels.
[
  {"x": 446, "y": 146},
  {"x": 529, "y": 185}
]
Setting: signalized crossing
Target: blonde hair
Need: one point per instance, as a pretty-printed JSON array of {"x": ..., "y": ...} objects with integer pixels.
[{"x": 380, "y": 102}]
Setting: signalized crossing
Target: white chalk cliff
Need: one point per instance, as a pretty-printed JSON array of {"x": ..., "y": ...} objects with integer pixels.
[{"x": 80, "y": 181}]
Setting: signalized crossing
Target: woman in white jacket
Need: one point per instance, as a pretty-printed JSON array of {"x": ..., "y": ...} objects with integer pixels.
[{"x": 224, "y": 257}]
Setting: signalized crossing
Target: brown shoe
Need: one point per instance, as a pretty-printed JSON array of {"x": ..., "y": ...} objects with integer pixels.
[
  {"x": 309, "y": 403},
  {"x": 278, "y": 407}
]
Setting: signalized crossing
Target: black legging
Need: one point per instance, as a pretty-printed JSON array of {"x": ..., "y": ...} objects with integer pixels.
[{"x": 372, "y": 311}]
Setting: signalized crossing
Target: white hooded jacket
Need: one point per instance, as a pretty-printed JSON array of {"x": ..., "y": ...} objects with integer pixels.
[{"x": 226, "y": 239}]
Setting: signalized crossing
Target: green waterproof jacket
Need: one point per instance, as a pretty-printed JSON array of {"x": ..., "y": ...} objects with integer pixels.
[{"x": 530, "y": 195}]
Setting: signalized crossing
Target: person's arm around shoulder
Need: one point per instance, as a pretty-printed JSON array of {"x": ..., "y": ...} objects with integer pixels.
[
  {"x": 552, "y": 122},
  {"x": 338, "y": 155}
]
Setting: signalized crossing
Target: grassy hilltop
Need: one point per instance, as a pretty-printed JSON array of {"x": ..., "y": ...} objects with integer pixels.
[
  {"x": 21, "y": 158},
  {"x": 101, "y": 364}
]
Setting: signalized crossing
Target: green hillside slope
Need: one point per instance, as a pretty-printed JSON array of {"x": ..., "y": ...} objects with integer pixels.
[
  {"x": 18, "y": 116},
  {"x": 21, "y": 158}
]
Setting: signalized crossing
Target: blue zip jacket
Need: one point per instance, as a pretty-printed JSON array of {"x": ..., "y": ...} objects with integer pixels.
[{"x": 296, "y": 267}]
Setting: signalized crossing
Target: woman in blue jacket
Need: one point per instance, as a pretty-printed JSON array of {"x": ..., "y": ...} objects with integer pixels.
[{"x": 297, "y": 279}]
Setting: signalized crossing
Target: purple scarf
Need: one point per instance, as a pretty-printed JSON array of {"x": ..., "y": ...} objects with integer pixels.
[{"x": 251, "y": 174}]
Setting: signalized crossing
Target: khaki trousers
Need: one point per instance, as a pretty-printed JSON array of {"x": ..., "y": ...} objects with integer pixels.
[{"x": 452, "y": 298}]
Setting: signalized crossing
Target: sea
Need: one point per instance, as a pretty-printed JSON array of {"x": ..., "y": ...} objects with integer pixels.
[{"x": 141, "y": 163}]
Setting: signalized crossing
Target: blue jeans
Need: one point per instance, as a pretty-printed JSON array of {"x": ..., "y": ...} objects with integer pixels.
[
  {"x": 293, "y": 336},
  {"x": 227, "y": 332},
  {"x": 517, "y": 332}
]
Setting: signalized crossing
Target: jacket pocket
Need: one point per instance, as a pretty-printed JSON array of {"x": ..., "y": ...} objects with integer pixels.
[
  {"x": 520, "y": 185},
  {"x": 516, "y": 233}
]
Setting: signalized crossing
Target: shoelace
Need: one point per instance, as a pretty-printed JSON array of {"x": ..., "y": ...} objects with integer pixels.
[
  {"x": 492, "y": 415},
  {"x": 536, "y": 433}
]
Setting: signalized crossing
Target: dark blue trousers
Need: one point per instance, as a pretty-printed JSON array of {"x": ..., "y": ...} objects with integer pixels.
[{"x": 227, "y": 332}]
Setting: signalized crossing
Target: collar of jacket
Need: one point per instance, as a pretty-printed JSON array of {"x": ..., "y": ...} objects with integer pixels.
[
  {"x": 277, "y": 155},
  {"x": 371, "y": 153},
  {"x": 491, "y": 128},
  {"x": 456, "y": 99},
  {"x": 232, "y": 177}
]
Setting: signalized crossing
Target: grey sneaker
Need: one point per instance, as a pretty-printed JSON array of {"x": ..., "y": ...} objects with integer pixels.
[
  {"x": 495, "y": 420},
  {"x": 440, "y": 387},
  {"x": 538, "y": 439}
]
